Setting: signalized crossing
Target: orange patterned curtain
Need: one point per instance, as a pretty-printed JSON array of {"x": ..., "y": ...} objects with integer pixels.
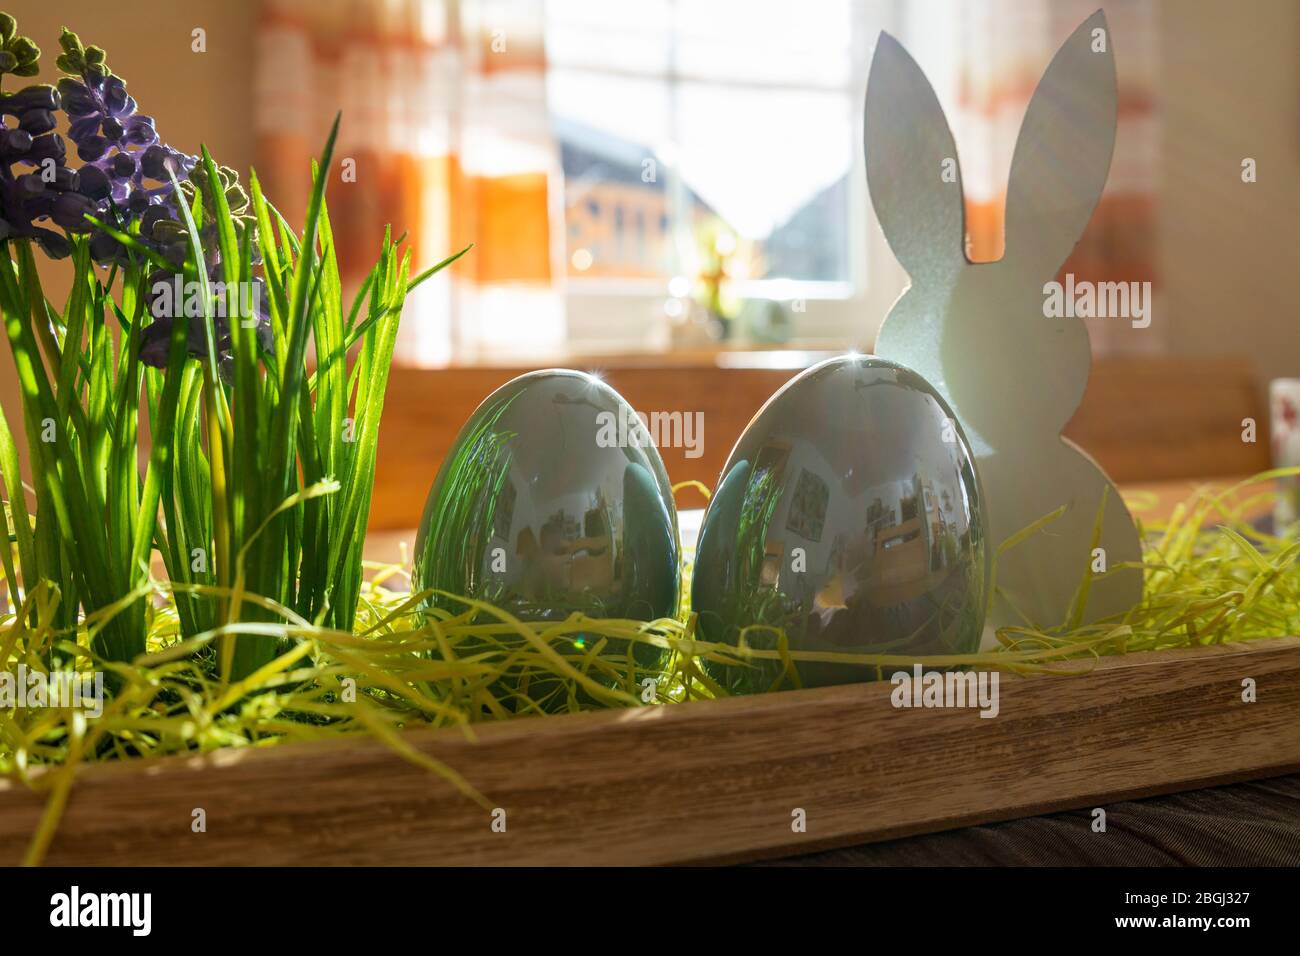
[
  {"x": 444, "y": 136},
  {"x": 985, "y": 58}
]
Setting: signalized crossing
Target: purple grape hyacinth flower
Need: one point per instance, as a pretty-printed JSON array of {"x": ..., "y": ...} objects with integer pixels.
[
  {"x": 43, "y": 187},
  {"x": 125, "y": 172},
  {"x": 125, "y": 180}
]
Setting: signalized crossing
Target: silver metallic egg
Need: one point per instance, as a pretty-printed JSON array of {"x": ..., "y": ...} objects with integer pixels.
[
  {"x": 848, "y": 516},
  {"x": 553, "y": 499}
]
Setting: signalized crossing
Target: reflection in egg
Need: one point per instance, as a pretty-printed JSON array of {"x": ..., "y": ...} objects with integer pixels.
[
  {"x": 849, "y": 517},
  {"x": 543, "y": 509}
]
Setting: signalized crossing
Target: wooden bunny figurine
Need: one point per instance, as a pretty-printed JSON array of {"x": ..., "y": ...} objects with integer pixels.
[{"x": 979, "y": 332}]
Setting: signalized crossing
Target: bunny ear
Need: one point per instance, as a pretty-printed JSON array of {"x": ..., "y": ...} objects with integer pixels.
[
  {"x": 1064, "y": 149},
  {"x": 912, "y": 169}
]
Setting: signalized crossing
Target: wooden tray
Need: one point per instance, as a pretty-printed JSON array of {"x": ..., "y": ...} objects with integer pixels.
[{"x": 702, "y": 782}]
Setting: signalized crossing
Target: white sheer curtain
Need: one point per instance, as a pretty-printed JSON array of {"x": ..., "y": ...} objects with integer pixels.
[{"x": 445, "y": 123}]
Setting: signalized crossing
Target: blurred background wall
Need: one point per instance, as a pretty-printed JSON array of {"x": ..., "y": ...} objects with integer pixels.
[{"x": 1230, "y": 252}]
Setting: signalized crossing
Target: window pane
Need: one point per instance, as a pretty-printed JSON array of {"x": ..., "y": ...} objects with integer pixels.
[
  {"x": 610, "y": 131},
  {"x": 773, "y": 166},
  {"x": 597, "y": 34},
  {"x": 767, "y": 42}
]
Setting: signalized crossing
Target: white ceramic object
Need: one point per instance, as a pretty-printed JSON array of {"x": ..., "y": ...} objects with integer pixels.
[{"x": 978, "y": 332}]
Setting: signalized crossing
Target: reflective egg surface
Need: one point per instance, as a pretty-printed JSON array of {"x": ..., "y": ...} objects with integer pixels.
[
  {"x": 849, "y": 516},
  {"x": 552, "y": 500}
]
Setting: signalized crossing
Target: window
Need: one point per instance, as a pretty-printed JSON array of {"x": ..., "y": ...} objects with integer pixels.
[{"x": 706, "y": 140}]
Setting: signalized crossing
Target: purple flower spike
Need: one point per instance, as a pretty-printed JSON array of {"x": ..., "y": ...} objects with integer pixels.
[
  {"x": 126, "y": 179},
  {"x": 26, "y": 198},
  {"x": 120, "y": 145},
  {"x": 41, "y": 187}
]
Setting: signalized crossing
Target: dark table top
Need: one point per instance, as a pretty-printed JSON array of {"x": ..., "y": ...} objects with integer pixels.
[{"x": 1245, "y": 824}]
